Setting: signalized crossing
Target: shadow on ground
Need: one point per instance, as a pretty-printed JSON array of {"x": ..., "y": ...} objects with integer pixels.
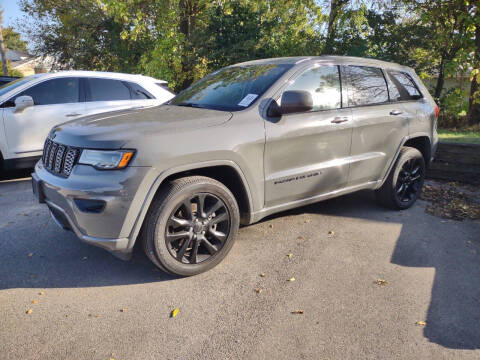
[
  {"x": 453, "y": 318},
  {"x": 60, "y": 260}
]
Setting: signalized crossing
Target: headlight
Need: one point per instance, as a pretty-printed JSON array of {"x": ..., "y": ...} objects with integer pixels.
[{"x": 106, "y": 159}]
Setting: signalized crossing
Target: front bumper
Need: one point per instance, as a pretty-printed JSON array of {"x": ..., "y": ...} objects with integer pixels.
[{"x": 116, "y": 189}]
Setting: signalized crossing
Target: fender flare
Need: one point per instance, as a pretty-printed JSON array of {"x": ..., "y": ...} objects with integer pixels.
[
  {"x": 397, "y": 154},
  {"x": 175, "y": 170}
]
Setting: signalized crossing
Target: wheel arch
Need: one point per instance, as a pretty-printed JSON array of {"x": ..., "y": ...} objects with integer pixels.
[
  {"x": 227, "y": 172},
  {"x": 419, "y": 141}
]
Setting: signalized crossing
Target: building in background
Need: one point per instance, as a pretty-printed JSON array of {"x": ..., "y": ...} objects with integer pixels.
[{"x": 28, "y": 64}]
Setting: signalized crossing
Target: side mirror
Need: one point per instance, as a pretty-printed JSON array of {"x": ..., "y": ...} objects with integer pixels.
[
  {"x": 296, "y": 101},
  {"x": 22, "y": 102}
]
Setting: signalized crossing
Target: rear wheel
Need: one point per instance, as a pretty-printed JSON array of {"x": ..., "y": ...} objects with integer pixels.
[
  {"x": 404, "y": 183},
  {"x": 191, "y": 225}
]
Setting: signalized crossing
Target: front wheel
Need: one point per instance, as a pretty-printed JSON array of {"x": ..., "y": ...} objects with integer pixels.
[
  {"x": 191, "y": 225},
  {"x": 404, "y": 183}
]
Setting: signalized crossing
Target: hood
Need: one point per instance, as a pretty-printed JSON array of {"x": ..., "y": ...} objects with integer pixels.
[{"x": 114, "y": 129}]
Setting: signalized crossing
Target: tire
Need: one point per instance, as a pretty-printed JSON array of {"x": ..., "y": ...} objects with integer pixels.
[
  {"x": 403, "y": 185},
  {"x": 211, "y": 230}
]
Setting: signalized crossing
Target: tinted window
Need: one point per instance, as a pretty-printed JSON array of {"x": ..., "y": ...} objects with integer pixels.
[
  {"x": 139, "y": 93},
  {"x": 232, "y": 88},
  {"x": 107, "y": 90},
  {"x": 323, "y": 83},
  {"x": 16, "y": 83},
  {"x": 55, "y": 91},
  {"x": 366, "y": 85},
  {"x": 403, "y": 87}
]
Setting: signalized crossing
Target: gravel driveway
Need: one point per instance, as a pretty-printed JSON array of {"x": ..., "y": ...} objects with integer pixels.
[{"x": 86, "y": 304}]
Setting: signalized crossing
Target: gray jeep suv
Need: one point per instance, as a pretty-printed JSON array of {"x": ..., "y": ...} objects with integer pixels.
[{"x": 244, "y": 142}]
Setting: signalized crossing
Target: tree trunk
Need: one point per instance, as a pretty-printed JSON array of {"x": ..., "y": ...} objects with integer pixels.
[
  {"x": 441, "y": 78},
  {"x": 474, "y": 107},
  {"x": 2, "y": 52},
  {"x": 336, "y": 7},
  {"x": 187, "y": 25}
]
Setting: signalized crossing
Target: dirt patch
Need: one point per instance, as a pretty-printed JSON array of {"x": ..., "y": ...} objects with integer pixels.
[{"x": 452, "y": 200}]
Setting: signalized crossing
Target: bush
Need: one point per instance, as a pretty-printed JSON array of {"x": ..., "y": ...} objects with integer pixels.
[{"x": 453, "y": 109}]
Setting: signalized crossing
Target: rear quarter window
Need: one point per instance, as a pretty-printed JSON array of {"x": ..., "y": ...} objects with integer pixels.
[{"x": 403, "y": 87}]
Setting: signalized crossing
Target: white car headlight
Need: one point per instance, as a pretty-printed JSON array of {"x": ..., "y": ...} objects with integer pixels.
[{"x": 106, "y": 159}]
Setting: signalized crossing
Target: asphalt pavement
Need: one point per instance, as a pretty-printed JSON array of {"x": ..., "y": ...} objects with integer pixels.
[{"x": 371, "y": 283}]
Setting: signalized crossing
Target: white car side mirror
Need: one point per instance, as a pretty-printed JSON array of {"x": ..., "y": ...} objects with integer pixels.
[{"x": 22, "y": 102}]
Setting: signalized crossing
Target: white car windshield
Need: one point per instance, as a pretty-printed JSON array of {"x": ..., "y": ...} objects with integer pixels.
[{"x": 16, "y": 83}]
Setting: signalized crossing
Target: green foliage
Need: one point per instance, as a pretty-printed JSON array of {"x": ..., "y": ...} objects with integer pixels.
[
  {"x": 183, "y": 40},
  {"x": 454, "y": 106},
  {"x": 12, "y": 40}
]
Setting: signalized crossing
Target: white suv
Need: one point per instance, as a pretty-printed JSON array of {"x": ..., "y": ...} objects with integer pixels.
[{"x": 31, "y": 106}]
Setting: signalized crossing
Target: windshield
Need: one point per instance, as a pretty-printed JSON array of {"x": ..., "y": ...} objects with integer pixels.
[
  {"x": 14, "y": 84},
  {"x": 232, "y": 88}
]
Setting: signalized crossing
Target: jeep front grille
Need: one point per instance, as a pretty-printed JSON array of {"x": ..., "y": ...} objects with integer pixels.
[{"x": 59, "y": 159}]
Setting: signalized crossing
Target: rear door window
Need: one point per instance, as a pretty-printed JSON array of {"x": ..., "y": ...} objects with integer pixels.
[
  {"x": 54, "y": 91},
  {"x": 107, "y": 90},
  {"x": 403, "y": 87},
  {"x": 323, "y": 83},
  {"x": 366, "y": 86}
]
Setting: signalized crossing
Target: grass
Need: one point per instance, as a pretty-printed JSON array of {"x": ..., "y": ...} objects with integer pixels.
[{"x": 469, "y": 135}]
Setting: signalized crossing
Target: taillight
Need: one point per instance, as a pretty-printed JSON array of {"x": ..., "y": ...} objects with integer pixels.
[{"x": 437, "y": 111}]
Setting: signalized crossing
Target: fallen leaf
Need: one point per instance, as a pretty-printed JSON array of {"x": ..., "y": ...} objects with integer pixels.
[
  {"x": 123, "y": 310},
  {"x": 289, "y": 255},
  {"x": 258, "y": 291},
  {"x": 174, "y": 312},
  {"x": 301, "y": 238},
  {"x": 297, "y": 312},
  {"x": 41, "y": 293},
  {"x": 262, "y": 275},
  {"x": 331, "y": 232},
  {"x": 307, "y": 221},
  {"x": 35, "y": 301},
  {"x": 30, "y": 254},
  {"x": 291, "y": 279},
  {"x": 421, "y": 323},
  {"x": 270, "y": 226},
  {"x": 29, "y": 311},
  {"x": 381, "y": 282}
]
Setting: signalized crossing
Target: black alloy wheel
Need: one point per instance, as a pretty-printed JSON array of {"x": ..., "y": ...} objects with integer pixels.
[
  {"x": 403, "y": 185},
  {"x": 191, "y": 225},
  {"x": 197, "y": 228},
  {"x": 410, "y": 180}
]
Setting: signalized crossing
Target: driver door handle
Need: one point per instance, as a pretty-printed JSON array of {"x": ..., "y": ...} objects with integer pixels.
[
  {"x": 73, "y": 114},
  {"x": 339, "y": 119}
]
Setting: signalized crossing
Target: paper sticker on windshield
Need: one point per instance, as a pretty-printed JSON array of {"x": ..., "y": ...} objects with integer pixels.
[{"x": 247, "y": 100}]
